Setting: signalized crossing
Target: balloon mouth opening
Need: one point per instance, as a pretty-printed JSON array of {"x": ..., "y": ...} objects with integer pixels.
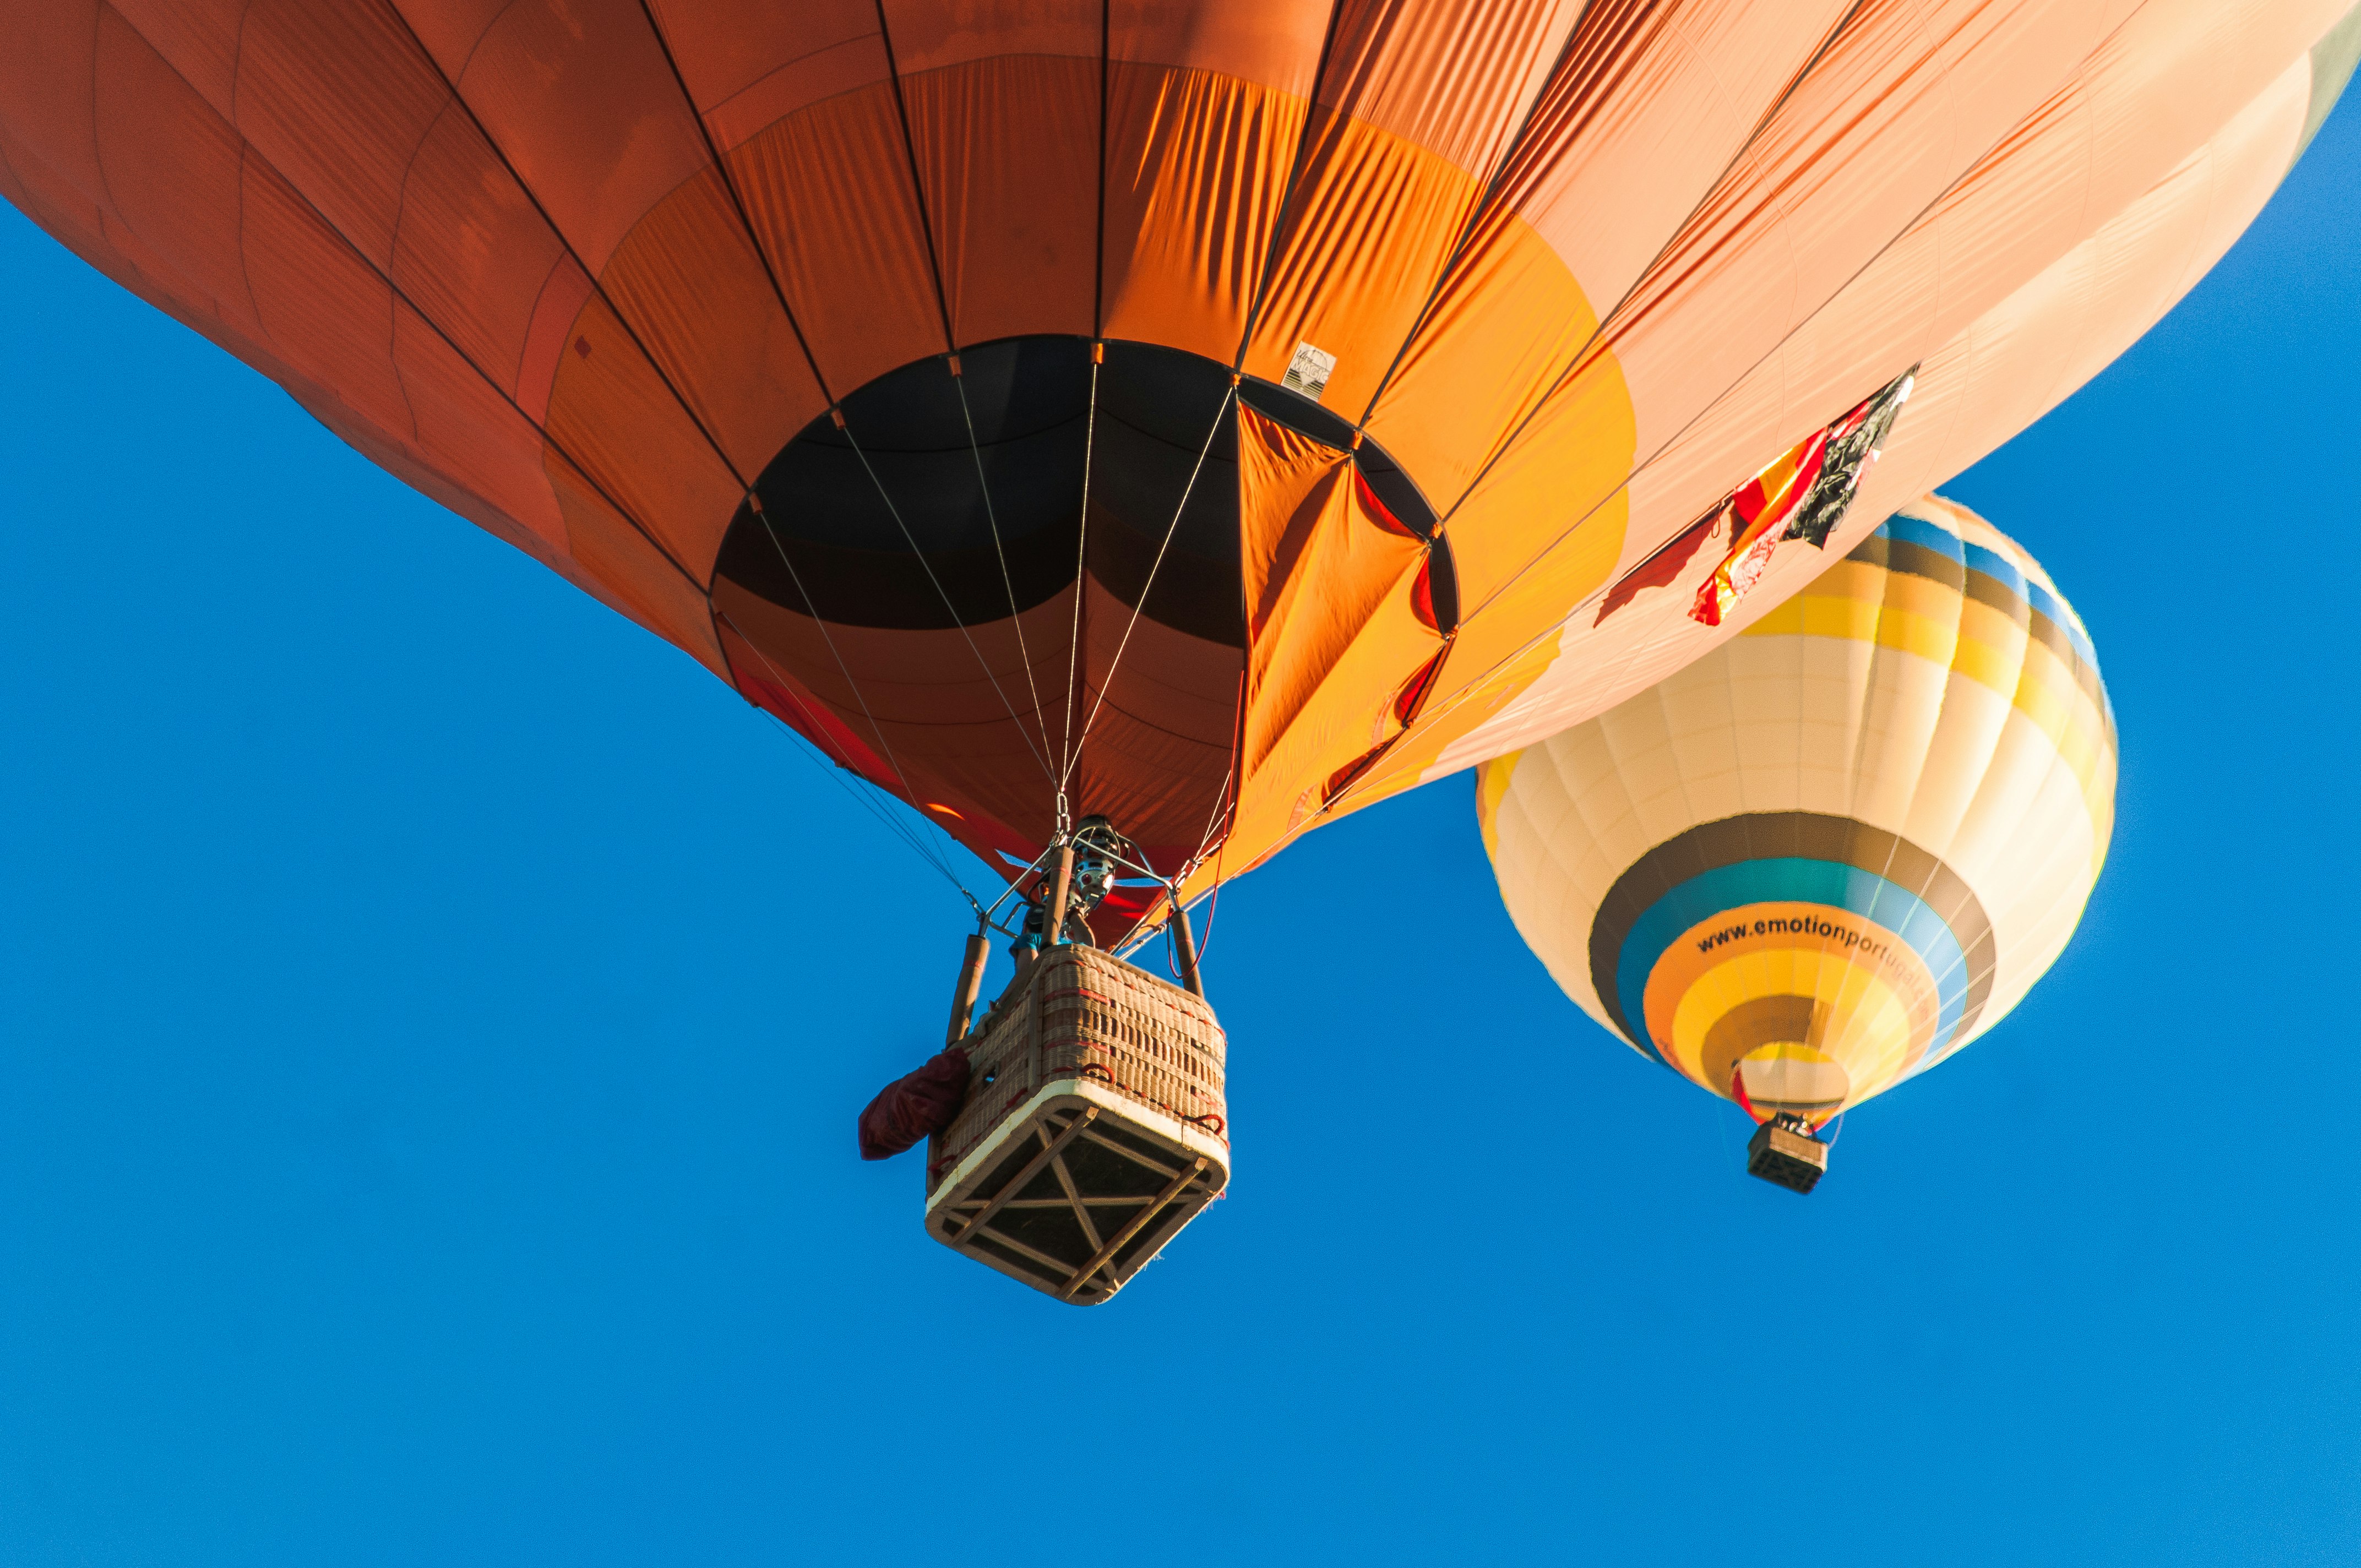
[
  {"x": 933, "y": 497},
  {"x": 1794, "y": 1077}
]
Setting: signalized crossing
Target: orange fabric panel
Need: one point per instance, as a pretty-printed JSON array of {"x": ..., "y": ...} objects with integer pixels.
[
  {"x": 1331, "y": 633},
  {"x": 611, "y": 414},
  {"x": 1554, "y": 509},
  {"x": 1197, "y": 167},
  {"x": 551, "y": 335},
  {"x": 2030, "y": 201},
  {"x": 327, "y": 316},
  {"x": 1497, "y": 338},
  {"x": 689, "y": 281},
  {"x": 545, "y": 542},
  {"x": 828, "y": 193},
  {"x": 1155, "y": 755},
  {"x": 931, "y": 35},
  {"x": 1652, "y": 105},
  {"x": 2032, "y": 350},
  {"x": 579, "y": 97},
  {"x": 1419, "y": 106},
  {"x": 1454, "y": 77},
  {"x": 450, "y": 29},
  {"x": 1734, "y": 285},
  {"x": 1904, "y": 101},
  {"x": 931, "y": 702},
  {"x": 1269, "y": 43},
  {"x": 1503, "y": 319},
  {"x": 1372, "y": 220},
  {"x": 464, "y": 428},
  {"x": 1008, "y": 154},
  {"x": 1991, "y": 377}
]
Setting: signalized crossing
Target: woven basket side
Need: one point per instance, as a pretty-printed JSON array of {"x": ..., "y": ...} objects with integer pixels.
[{"x": 1087, "y": 1014}]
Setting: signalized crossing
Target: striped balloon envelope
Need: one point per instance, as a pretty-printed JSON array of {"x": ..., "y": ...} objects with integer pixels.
[{"x": 1840, "y": 846}]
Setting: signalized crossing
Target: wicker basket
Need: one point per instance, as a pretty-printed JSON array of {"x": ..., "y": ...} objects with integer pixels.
[{"x": 1094, "y": 1128}]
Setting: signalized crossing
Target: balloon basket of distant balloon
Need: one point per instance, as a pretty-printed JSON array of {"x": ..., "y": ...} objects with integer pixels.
[
  {"x": 1094, "y": 1131},
  {"x": 1784, "y": 1152}
]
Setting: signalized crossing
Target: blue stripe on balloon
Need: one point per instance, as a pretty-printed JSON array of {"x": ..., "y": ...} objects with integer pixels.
[
  {"x": 2060, "y": 617},
  {"x": 1917, "y": 530},
  {"x": 1791, "y": 880}
]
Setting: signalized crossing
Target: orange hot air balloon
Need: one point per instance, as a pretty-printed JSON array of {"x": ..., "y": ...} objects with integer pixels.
[{"x": 1213, "y": 414}]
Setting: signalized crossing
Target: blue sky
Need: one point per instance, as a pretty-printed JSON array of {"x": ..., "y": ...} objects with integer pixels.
[{"x": 433, "y": 1014}]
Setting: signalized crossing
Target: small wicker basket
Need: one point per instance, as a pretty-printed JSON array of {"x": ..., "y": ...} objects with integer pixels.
[{"x": 1094, "y": 1128}]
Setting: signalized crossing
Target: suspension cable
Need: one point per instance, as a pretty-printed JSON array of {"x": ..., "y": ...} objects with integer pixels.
[
  {"x": 927, "y": 566},
  {"x": 1081, "y": 563},
  {"x": 875, "y": 729},
  {"x": 844, "y": 766},
  {"x": 1169, "y": 530},
  {"x": 992, "y": 521}
]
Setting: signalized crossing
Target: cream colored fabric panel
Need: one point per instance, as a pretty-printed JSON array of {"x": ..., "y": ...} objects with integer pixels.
[
  {"x": 1958, "y": 753},
  {"x": 1837, "y": 674}
]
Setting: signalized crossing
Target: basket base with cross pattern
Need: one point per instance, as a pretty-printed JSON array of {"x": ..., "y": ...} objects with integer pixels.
[{"x": 1094, "y": 1128}]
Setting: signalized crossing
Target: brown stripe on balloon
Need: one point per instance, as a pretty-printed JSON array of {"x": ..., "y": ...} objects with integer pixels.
[
  {"x": 1989, "y": 590},
  {"x": 1790, "y": 835}
]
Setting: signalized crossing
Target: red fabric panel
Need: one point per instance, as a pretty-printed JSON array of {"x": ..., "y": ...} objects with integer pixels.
[
  {"x": 176, "y": 170},
  {"x": 199, "y": 36},
  {"x": 339, "y": 97},
  {"x": 829, "y": 194},
  {"x": 698, "y": 297},
  {"x": 749, "y": 67},
  {"x": 46, "y": 87},
  {"x": 472, "y": 254},
  {"x": 932, "y": 35},
  {"x": 577, "y": 96}
]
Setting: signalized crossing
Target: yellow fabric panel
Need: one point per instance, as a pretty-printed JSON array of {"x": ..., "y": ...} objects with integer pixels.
[
  {"x": 1491, "y": 783},
  {"x": 1867, "y": 1025}
]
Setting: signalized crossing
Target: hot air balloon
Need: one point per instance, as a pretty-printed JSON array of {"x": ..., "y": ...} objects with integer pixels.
[
  {"x": 881, "y": 355},
  {"x": 1214, "y": 415},
  {"x": 1829, "y": 854}
]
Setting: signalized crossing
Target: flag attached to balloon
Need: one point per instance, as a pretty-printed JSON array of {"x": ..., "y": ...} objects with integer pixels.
[{"x": 1802, "y": 494}]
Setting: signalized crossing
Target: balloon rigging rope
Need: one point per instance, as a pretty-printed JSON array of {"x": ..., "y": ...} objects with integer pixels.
[
  {"x": 1169, "y": 530},
  {"x": 992, "y": 521},
  {"x": 1082, "y": 558},
  {"x": 893, "y": 820},
  {"x": 855, "y": 686},
  {"x": 982, "y": 663}
]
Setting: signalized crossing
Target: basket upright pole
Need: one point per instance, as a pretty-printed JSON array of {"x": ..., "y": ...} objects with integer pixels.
[
  {"x": 970, "y": 985},
  {"x": 1184, "y": 948},
  {"x": 1061, "y": 888}
]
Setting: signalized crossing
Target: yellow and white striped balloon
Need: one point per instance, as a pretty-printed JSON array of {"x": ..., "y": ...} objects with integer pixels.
[{"x": 1841, "y": 845}]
